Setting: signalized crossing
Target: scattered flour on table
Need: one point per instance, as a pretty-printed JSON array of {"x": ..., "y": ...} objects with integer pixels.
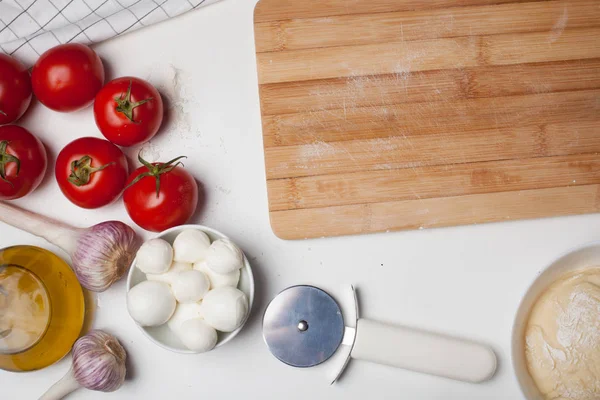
[
  {"x": 176, "y": 87},
  {"x": 150, "y": 152},
  {"x": 223, "y": 190}
]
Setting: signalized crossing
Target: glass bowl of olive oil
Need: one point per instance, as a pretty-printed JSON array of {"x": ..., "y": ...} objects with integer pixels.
[{"x": 42, "y": 308}]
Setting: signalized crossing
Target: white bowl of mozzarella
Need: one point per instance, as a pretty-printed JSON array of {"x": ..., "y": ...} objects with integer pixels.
[{"x": 207, "y": 302}]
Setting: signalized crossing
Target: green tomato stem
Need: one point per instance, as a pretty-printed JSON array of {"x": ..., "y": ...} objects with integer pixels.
[
  {"x": 6, "y": 158},
  {"x": 156, "y": 170},
  {"x": 126, "y": 107},
  {"x": 82, "y": 170}
]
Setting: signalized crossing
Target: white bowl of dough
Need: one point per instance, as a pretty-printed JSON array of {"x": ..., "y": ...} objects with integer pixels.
[
  {"x": 563, "y": 287},
  {"x": 176, "y": 314}
]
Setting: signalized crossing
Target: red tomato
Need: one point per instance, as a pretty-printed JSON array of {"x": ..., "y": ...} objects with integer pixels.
[
  {"x": 91, "y": 172},
  {"x": 15, "y": 89},
  {"x": 160, "y": 196},
  {"x": 67, "y": 77},
  {"x": 23, "y": 162},
  {"x": 128, "y": 111}
]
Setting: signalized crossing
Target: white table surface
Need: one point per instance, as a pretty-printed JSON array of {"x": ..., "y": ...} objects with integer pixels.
[{"x": 463, "y": 281}]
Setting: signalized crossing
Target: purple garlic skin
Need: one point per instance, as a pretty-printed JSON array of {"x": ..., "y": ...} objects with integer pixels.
[
  {"x": 104, "y": 254},
  {"x": 99, "y": 362}
]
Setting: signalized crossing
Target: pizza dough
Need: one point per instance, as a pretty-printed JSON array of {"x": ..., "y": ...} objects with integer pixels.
[{"x": 563, "y": 338}]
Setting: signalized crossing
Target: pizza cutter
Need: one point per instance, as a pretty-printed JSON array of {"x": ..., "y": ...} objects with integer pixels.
[{"x": 304, "y": 326}]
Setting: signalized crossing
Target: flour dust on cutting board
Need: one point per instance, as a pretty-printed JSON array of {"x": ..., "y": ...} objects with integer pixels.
[
  {"x": 367, "y": 95},
  {"x": 559, "y": 26},
  {"x": 388, "y": 115}
]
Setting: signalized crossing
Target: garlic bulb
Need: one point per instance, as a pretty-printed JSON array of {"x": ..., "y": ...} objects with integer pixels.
[
  {"x": 101, "y": 254},
  {"x": 98, "y": 364}
]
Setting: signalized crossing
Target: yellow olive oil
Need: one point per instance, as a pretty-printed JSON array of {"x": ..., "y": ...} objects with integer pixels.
[{"x": 42, "y": 308}]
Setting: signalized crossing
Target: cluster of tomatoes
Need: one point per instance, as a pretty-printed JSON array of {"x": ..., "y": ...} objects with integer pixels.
[{"x": 91, "y": 172}]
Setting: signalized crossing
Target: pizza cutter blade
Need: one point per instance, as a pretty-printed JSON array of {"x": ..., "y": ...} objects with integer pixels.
[{"x": 304, "y": 326}]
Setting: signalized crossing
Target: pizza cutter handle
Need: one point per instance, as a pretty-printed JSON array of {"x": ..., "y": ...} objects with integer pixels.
[{"x": 423, "y": 351}]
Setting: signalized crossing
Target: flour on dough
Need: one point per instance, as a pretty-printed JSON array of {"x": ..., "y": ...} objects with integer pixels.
[{"x": 563, "y": 338}]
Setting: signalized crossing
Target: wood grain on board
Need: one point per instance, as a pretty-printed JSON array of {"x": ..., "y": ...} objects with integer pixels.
[{"x": 402, "y": 114}]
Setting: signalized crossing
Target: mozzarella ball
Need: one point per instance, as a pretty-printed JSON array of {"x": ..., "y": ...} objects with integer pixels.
[
  {"x": 183, "y": 312},
  {"x": 225, "y": 308},
  {"x": 218, "y": 280},
  {"x": 168, "y": 276},
  {"x": 191, "y": 245},
  {"x": 154, "y": 257},
  {"x": 151, "y": 303},
  {"x": 224, "y": 257},
  {"x": 197, "y": 335},
  {"x": 190, "y": 286}
]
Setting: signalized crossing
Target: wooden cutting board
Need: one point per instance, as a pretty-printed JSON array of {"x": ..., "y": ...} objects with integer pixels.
[{"x": 386, "y": 115}]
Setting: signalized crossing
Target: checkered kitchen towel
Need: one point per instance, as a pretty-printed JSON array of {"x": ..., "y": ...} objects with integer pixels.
[{"x": 30, "y": 27}]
